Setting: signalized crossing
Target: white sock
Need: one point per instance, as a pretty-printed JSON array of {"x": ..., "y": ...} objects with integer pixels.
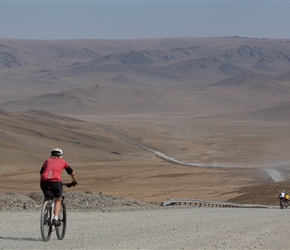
[{"x": 56, "y": 217}]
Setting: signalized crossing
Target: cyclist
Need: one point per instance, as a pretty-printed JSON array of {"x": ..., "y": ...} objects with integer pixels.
[
  {"x": 281, "y": 197},
  {"x": 50, "y": 179}
]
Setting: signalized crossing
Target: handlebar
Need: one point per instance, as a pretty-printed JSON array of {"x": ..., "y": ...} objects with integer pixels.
[{"x": 70, "y": 184}]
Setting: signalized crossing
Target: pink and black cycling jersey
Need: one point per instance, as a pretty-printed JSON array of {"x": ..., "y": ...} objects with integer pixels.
[{"x": 52, "y": 168}]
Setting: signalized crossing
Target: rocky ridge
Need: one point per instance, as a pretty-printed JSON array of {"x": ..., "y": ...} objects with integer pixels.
[
  {"x": 74, "y": 201},
  {"x": 264, "y": 194}
]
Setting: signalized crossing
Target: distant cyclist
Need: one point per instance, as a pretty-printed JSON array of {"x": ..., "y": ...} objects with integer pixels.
[
  {"x": 50, "y": 179},
  {"x": 281, "y": 197}
]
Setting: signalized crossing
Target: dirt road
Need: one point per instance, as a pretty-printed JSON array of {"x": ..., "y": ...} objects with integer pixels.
[
  {"x": 166, "y": 228},
  {"x": 274, "y": 173}
]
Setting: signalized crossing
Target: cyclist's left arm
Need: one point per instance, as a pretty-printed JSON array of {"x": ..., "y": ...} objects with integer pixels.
[{"x": 70, "y": 171}]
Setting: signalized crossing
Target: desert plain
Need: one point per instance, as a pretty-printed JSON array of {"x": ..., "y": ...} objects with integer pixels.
[{"x": 218, "y": 106}]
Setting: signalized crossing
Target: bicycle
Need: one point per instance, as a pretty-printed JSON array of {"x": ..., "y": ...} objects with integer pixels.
[
  {"x": 282, "y": 202},
  {"x": 46, "y": 223}
]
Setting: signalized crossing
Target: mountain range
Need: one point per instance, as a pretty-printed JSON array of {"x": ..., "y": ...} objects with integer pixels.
[
  {"x": 139, "y": 76},
  {"x": 181, "y": 96}
]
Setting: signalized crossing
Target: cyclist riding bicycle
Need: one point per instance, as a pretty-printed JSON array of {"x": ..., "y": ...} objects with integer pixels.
[
  {"x": 50, "y": 179},
  {"x": 281, "y": 198},
  {"x": 282, "y": 195}
]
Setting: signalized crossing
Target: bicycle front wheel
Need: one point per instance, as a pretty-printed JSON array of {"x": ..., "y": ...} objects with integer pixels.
[
  {"x": 60, "y": 230},
  {"x": 45, "y": 220}
]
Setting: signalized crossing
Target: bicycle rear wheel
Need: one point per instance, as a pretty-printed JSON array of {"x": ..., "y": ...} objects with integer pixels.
[
  {"x": 45, "y": 220},
  {"x": 60, "y": 230}
]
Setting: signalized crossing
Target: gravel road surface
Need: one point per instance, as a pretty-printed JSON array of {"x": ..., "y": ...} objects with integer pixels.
[{"x": 164, "y": 228}]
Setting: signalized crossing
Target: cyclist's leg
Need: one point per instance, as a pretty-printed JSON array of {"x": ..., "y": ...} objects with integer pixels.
[
  {"x": 57, "y": 202},
  {"x": 46, "y": 190},
  {"x": 57, "y": 192}
]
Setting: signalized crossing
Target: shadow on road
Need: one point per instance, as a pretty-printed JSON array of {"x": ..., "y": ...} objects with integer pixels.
[{"x": 20, "y": 238}]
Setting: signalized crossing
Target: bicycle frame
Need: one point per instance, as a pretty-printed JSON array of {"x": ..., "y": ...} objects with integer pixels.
[{"x": 47, "y": 212}]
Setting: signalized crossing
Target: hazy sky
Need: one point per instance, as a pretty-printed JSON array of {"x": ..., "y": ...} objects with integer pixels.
[{"x": 57, "y": 19}]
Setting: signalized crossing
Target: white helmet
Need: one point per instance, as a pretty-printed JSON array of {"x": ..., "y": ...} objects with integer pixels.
[{"x": 56, "y": 152}]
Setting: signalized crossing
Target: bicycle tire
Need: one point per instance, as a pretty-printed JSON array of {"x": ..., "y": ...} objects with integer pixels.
[
  {"x": 60, "y": 230},
  {"x": 45, "y": 221},
  {"x": 282, "y": 203}
]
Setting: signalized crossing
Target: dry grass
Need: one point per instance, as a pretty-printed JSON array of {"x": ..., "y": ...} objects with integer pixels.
[{"x": 231, "y": 157}]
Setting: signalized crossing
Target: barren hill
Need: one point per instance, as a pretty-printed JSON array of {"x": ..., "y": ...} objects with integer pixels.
[
  {"x": 27, "y": 134},
  {"x": 173, "y": 66},
  {"x": 96, "y": 100}
]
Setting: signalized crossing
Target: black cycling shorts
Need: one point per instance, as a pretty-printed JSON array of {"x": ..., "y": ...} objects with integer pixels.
[{"x": 51, "y": 189}]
